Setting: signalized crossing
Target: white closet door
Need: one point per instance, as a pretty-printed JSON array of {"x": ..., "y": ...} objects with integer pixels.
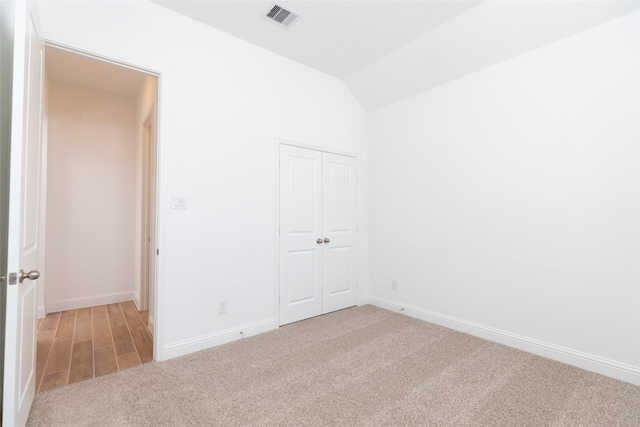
[
  {"x": 300, "y": 227},
  {"x": 339, "y": 230}
]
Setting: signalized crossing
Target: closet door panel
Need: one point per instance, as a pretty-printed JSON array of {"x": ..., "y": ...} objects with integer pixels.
[
  {"x": 300, "y": 227},
  {"x": 339, "y": 209}
]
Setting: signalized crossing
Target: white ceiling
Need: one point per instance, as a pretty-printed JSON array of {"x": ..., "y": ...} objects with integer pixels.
[
  {"x": 386, "y": 51},
  {"x": 488, "y": 34},
  {"x": 336, "y": 37},
  {"x": 66, "y": 67}
]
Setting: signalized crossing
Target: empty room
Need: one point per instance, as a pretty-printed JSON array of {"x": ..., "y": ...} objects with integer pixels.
[{"x": 356, "y": 212}]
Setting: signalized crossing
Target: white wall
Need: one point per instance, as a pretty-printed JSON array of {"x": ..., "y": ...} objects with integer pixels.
[
  {"x": 91, "y": 198},
  {"x": 506, "y": 203},
  {"x": 222, "y": 104}
]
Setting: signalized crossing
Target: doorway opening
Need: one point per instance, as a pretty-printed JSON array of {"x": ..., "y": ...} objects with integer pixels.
[{"x": 96, "y": 298}]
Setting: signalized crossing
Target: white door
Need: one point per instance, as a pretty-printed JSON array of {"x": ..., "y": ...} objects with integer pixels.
[
  {"x": 339, "y": 228},
  {"x": 300, "y": 232},
  {"x": 24, "y": 196},
  {"x": 318, "y": 264}
]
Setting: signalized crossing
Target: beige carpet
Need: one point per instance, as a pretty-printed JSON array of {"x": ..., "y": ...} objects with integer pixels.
[{"x": 358, "y": 367}]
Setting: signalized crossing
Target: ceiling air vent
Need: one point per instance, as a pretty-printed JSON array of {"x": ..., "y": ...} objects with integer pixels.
[{"x": 282, "y": 16}]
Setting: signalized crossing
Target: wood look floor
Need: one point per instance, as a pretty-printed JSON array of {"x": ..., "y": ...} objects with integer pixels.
[{"x": 77, "y": 345}]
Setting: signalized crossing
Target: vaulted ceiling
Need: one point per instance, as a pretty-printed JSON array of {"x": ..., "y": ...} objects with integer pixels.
[{"x": 386, "y": 51}]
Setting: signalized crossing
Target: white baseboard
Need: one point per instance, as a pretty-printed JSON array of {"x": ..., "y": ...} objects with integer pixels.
[
  {"x": 364, "y": 300},
  {"x": 41, "y": 312},
  {"x": 76, "y": 303},
  {"x": 589, "y": 362},
  {"x": 211, "y": 340}
]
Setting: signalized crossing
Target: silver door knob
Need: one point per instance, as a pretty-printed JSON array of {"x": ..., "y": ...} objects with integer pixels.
[
  {"x": 327, "y": 240},
  {"x": 319, "y": 241},
  {"x": 32, "y": 275}
]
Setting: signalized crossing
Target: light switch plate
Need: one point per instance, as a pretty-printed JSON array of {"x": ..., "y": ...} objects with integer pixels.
[{"x": 179, "y": 202}]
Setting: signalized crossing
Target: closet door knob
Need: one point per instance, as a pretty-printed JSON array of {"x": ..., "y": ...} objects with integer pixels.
[
  {"x": 327, "y": 240},
  {"x": 319, "y": 241}
]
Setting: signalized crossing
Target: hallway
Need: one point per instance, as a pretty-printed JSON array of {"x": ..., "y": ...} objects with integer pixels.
[{"x": 77, "y": 345}]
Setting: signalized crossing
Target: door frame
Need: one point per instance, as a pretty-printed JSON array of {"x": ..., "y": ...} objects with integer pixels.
[
  {"x": 276, "y": 233},
  {"x": 160, "y": 193},
  {"x": 7, "y": 24},
  {"x": 150, "y": 208}
]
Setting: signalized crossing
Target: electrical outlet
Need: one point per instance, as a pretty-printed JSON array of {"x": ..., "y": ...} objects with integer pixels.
[
  {"x": 394, "y": 285},
  {"x": 222, "y": 306}
]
